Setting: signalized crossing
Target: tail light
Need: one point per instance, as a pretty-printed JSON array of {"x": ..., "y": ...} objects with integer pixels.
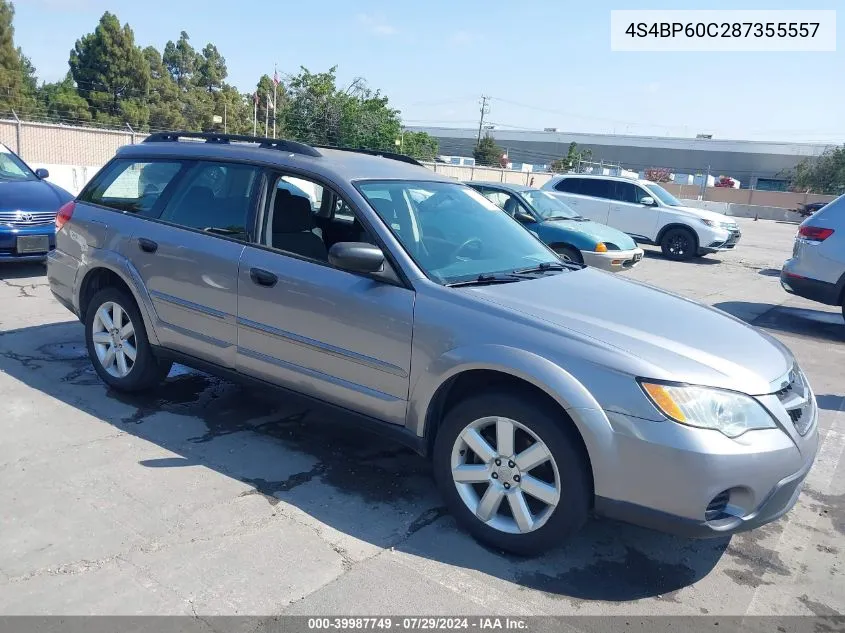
[
  {"x": 64, "y": 214},
  {"x": 814, "y": 233}
]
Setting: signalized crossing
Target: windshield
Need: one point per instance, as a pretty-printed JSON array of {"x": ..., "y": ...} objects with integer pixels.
[
  {"x": 546, "y": 205},
  {"x": 453, "y": 232},
  {"x": 664, "y": 196},
  {"x": 12, "y": 167}
]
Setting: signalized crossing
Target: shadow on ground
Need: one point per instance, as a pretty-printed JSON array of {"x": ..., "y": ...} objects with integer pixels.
[
  {"x": 830, "y": 402},
  {"x": 288, "y": 451},
  {"x": 21, "y": 270},
  {"x": 818, "y": 324},
  {"x": 769, "y": 272},
  {"x": 699, "y": 260}
]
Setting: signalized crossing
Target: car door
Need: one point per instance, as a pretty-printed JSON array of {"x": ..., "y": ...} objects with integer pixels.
[
  {"x": 341, "y": 337},
  {"x": 188, "y": 258},
  {"x": 588, "y": 197},
  {"x": 629, "y": 215}
]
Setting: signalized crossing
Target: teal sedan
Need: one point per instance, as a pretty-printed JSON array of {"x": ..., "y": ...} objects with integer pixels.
[{"x": 573, "y": 237}]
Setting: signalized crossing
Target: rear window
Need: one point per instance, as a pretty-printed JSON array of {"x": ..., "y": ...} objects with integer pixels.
[{"x": 132, "y": 186}]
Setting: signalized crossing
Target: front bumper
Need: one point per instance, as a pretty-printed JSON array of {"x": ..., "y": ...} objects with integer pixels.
[
  {"x": 668, "y": 476},
  {"x": 9, "y": 242},
  {"x": 718, "y": 241},
  {"x": 614, "y": 261}
]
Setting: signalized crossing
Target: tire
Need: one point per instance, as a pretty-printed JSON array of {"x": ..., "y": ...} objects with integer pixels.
[
  {"x": 145, "y": 371},
  {"x": 679, "y": 244},
  {"x": 569, "y": 253},
  {"x": 566, "y": 474}
]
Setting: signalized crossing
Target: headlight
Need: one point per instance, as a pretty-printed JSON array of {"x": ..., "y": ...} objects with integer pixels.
[
  {"x": 728, "y": 226},
  {"x": 729, "y": 412}
]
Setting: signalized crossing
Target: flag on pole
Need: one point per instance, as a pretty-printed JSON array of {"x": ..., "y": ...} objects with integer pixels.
[
  {"x": 255, "y": 98},
  {"x": 275, "y": 77},
  {"x": 270, "y": 105}
]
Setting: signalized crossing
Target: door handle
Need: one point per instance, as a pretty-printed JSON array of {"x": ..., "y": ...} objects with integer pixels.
[
  {"x": 263, "y": 277},
  {"x": 148, "y": 246}
]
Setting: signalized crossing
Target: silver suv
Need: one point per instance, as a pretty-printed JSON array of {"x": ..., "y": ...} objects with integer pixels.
[
  {"x": 537, "y": 398},
  {"x": 816, "y": 269}
]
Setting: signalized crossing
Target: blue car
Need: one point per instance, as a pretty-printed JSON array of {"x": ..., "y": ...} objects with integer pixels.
[
  {"x": 28, "y": 207},
  {"x": 572, "y": 237}
]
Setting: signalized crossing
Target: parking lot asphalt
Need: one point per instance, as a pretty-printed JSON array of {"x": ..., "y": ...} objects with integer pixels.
[{"x": 209, "y": 498}]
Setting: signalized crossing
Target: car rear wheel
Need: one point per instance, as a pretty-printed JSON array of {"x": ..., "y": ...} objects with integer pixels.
[
  {"x": 569, "y": 254},
  {"x": 679, "y": 244},
  {"x": 117, "y": 343},
  {"x": 512, "y": 473}
]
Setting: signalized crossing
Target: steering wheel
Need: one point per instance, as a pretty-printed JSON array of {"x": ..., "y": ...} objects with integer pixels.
[{"x": 473, "y": 241}]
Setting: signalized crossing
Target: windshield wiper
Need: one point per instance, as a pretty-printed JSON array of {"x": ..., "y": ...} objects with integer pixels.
[
  {"x": 485, "y": 280},
  {"x": 541, "y": 268}
]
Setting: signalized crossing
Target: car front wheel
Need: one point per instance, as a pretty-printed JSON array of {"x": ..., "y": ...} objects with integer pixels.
[
  {"x": 117, "y": 343},
  {"x": 512, "y": 472},
  {"x": 679, "y": 244}
]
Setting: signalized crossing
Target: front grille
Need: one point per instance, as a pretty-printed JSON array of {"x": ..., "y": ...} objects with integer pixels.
[
  {"x": 716, "y": 508},
  {"x": 27, "y": 218},
  {"x": 797, "y": 401}
]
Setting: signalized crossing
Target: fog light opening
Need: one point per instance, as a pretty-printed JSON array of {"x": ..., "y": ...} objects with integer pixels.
[{"x": 717, "y": 508}]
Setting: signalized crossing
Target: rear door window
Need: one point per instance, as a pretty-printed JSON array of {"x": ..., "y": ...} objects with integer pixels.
[
  {"x": 216, "y": 198},
  {"x": 598, "y": 188},
  {"x": 132, "y": 186}
]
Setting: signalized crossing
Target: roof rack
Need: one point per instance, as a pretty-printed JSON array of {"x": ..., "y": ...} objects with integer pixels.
[
  {"x": 225, "y": 139},
  {"x": 375, "y": 152}
]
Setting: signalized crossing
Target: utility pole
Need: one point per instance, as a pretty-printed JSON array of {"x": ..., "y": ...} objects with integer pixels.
[
  {"x": 255, "y": 114},
  {"x": 485, "y": 109}
]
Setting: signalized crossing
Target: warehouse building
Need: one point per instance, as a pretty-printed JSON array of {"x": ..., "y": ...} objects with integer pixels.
[{"x": 756, "y": 164}]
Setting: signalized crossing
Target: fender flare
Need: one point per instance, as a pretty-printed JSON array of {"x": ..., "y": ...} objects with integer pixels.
[
  {"x": 586, "y": 413},
  {"x": 123, "y": 268}
]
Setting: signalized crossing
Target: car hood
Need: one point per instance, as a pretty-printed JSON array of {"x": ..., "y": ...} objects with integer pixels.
[
  {"x": 31, "y": 195},
  {"x": 593, "y": 230},
  {"x": 704, "y": 214},
  {"x": 666, "y": 336}
]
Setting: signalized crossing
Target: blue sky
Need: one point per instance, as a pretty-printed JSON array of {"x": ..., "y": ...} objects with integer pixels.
[{"x": 546, "y": 63}]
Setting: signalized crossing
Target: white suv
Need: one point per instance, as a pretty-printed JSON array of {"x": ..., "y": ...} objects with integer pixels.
[{"x": 648, "y": 213}]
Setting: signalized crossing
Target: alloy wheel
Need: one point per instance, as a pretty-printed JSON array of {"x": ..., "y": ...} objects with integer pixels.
[
  {"x": 113, "y": 334},
  {"x": 505, "y": 474}
]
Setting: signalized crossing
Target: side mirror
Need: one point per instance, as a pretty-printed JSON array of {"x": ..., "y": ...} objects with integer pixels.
[
  {"x": 647, "y": 201},
  {"x": 42, "y": 173},
  {"x": 525, "y": 218},
  {"x": 356, "y": 257}
]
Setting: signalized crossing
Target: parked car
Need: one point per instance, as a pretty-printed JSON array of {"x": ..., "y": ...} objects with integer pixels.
[
  {"x": 573, "y": 237},
  {"x": 806, "y": 210},
  {"x": 541, "y": 391},
  {"x": 816, "y": 269},
  {"x": 28, "y": 206},
  {"x": 648, "y": 213}
]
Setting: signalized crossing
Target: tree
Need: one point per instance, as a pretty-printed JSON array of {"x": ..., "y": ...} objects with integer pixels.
[
  {"x": 62, "y": 102},
  {"x": 165, "y": 105},
  {"x": 17, "y": 76},
  {"x": 111, "y": 73},
  {"x": 569, "y": 163},
  {"x": 419, "y": 145},
  {"x": 658, "y": 174},
  {"x": 316, "y": 111},
  {"x": 181, "y": 60},
  {"x": 487, "y": 152},
  {"x": 210, "y": 69},
  {"x": 824, "y": 174}
]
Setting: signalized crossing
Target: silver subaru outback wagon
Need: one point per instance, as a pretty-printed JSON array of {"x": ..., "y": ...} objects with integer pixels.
[{"x": 420, "y": 309}]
